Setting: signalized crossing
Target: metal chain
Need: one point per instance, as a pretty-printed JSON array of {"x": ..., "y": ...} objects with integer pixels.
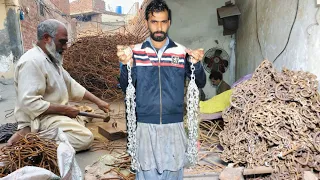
[
  {"x": 131, "y": 119},
  {"x": 192, "y": 114}
]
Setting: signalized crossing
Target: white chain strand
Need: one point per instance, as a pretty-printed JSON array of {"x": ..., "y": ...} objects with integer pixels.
[
  {"x": 192, "y": 114},
  {"x": 131, "y": 119}
]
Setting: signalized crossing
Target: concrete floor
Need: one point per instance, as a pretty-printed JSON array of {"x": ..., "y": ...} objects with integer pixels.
[
  {"x": 7, "y": 101},
  {"x": 84, "y": 158}
]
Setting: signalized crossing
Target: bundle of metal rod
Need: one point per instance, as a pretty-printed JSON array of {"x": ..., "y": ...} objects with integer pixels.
[{"x": 29, "y": 151}]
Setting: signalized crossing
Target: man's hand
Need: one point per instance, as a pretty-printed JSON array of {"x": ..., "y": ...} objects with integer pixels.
[
  {"x": 70, "y": 111},
  {"x": 125, "y": 54},
  {"x": 100, "y": 103},
  {"x": 104, "y": 106},
  {"x": 195, "y": 55}
]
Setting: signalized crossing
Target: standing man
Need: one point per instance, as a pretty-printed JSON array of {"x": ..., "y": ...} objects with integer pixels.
[
  {"x": 44, "y": 88},
  {"x": 159, "y": 69},
  {"x": 216, "y": 79}
]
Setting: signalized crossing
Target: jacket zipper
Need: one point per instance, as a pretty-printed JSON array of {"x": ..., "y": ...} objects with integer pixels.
[
  {"x": 160, "y": 91},
  {"x": 159, "y": 59}
]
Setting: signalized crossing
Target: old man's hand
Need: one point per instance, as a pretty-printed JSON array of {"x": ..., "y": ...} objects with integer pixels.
[
  {"x": 125, "y": 54},
  {"x": 104, "y": 106},
  {"x": 195, "y": 55},
  {"x": 70, "y": 111}
]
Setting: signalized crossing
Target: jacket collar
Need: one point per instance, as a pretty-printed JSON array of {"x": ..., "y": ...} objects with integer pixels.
[{"x": 147, "y": 43}]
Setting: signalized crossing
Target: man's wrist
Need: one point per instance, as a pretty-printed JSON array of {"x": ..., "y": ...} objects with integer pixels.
[{"x": 99, "y": 102}]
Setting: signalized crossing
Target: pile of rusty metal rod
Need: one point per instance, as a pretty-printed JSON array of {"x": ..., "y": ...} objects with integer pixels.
[
  {"x": 29, "y": 151},
  {"x": 208, "y": 147},
  {"x": 112, "y": 166},
  {"x": 209, "y": 142},
  {"x": 123, "y": 163},
  {"x": 119, "y": 146},
  {"x": 92, "y": 61},
  {"x": 274, "y": 120},
  {"x": 209, "y": 135}
]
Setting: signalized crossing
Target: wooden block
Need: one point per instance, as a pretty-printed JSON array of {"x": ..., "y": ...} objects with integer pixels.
[{"x": 112, "y": 133}]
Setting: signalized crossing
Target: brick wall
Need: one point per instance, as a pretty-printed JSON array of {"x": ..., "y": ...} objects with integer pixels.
[
  {"x": 33, "y": 18},
  {"x": 99, "y": 5},
  {"x": 83, "y": 6},
  {"x": 62, "y": 5},
  {"x": 137, "y": 25}
]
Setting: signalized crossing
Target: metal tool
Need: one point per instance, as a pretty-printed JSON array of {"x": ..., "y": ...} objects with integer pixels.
[{"x": 106, "y": 118}]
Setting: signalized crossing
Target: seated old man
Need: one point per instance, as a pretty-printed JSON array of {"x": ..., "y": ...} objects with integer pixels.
[{"x": 44, "y": 88}]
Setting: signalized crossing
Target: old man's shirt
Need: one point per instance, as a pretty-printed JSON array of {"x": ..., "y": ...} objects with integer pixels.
[{"x": 39, "y": 82}]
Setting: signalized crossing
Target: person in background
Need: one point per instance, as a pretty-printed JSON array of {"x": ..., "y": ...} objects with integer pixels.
[{"x": 216, "y": 79}]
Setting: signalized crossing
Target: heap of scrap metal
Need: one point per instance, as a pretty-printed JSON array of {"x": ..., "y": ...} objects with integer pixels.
[
  {"x": 92, "y": 61},
  {"x": 31, "y": 150},
  {"x": 274, "y": 120}
]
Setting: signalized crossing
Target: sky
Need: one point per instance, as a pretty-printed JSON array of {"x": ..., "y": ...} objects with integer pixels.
[{"x": 126, "y": 4}]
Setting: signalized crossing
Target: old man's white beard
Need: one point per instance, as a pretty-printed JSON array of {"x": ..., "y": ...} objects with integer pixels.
[{"x": 57, "y": 57}]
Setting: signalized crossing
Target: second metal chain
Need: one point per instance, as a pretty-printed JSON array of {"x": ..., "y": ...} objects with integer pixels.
[{"x": 192, "y": 115}]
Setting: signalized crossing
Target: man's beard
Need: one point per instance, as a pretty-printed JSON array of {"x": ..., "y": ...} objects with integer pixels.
[
  {"x": 54, "y": 55},
  {"x": 158, "y": 38}
]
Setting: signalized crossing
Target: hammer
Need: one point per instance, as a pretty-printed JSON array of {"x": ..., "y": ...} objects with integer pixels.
[{"x": 106, "y": 118}]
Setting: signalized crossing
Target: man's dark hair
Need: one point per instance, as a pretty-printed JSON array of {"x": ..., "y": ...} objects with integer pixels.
[
  {"x": 215, "y": 75},
  {"x": 157, "y": 6}
]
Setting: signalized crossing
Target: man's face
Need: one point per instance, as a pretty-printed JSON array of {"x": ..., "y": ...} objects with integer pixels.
[
  {"x": 215, "y": 81},
  {"x": 158, "y": 24},
  {"x": 58, "y": 45}
]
